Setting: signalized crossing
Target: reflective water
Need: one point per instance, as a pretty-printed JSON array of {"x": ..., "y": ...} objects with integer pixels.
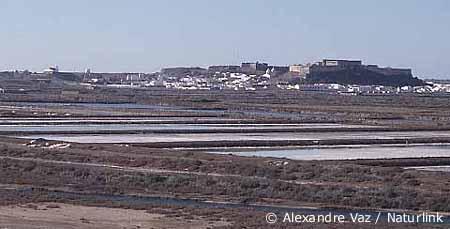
[
  {"x": 117, "y": 106},
  {"x": 99, "y": 127},
  {"x": 260, "y": 113},
  {"x": 185, "y": 137},
  {"x": 147, "y": 119},
  {"x": 167, "y": 201},
  {"x": 347, "y": 153},
  {"x": 431, "y": 168}
]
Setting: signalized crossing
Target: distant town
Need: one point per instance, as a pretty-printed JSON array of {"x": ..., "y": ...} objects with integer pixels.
[{"x": 350, "y": 77}]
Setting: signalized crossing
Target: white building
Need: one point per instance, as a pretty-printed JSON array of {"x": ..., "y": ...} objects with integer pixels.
[
  {"x": 300, "y": 69},
  {"x": 51, "y": 70}
]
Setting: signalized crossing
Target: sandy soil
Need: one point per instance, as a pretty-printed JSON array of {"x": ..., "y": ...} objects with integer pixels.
[{"x": 57, "y": 215}]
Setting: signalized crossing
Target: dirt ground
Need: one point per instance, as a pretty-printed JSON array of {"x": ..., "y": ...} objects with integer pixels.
[{"x": 57, "y": 215}]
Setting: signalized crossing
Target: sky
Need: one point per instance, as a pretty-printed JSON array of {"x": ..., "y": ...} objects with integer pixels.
[{"x": 146, "y": 35}]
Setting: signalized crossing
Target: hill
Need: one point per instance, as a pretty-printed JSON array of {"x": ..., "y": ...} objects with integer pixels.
[{"x": 363, "y": 76}]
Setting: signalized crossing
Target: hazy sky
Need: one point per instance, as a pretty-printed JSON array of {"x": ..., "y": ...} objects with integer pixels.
[{"x": 145, "y": 35}]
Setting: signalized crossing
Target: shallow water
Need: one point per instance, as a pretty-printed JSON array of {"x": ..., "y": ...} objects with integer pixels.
[
  {"x": 187, "y": 137},
  {"x": 167, "y": 201},
  {"x": 119, "y": 106},
  {"x": 260, "y": 113},
  {"x": 113, "y": 119},
  {"x": 431, "y": 168},
  {"x": 24, "y": 127},
  {"x": 348, "y": 153}
]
